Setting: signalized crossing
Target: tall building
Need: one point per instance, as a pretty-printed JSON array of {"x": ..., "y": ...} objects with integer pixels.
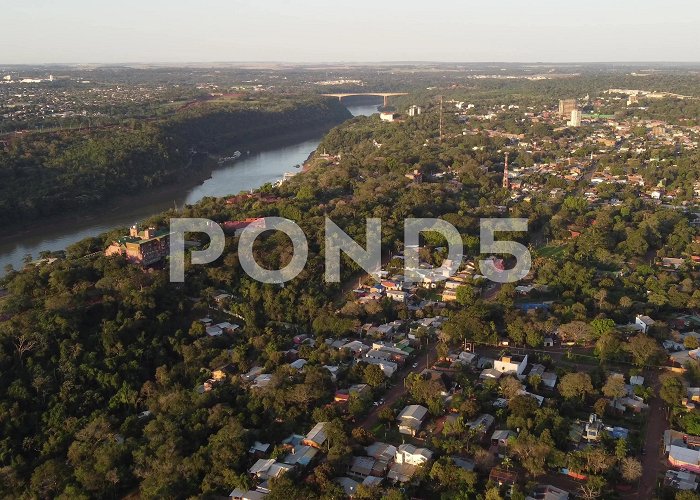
[
  {"x": 566, "y": 106},
  {"x": 142, "y": 247},
  {"x": 506, "y": 179},
  {"x": 575, "y": 118},
  {"x": 414, "y": 110}
]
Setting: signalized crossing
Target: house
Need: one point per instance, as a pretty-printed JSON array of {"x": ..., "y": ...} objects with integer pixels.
[
  {"x": 214, "y": 331},
  {"x": 548, "y": 492},
  {"x": 237, "y": 227},
  {"x": 382, "y": 452},
  {"x": 298, "y": 364},
  {"x": 397, "y": 295},
  {"x": 239, "y": 494},
  {"x": 636, "y": 380},
  {"x": 449, "y": 295},
  {"x": 316, "y": 436},
  {"x": 298, "y": 453},
  {"x": 593, "y": 430},
  {"x": 265, "y": 469},
  {"x": 549, "y": 379},
  {"x": 262, "y": 381},
  {"x": 548, "y": 342},
  {"x": 501, "y": 437},
  {"x": 349, "y": 485},
  {"x": 684, "y": 458},
  {"x": 502, "y": 477},
  {"x": 407, "y": 461},
  {"x": 356, "y": 347},
  {"x": 466, "y": 358},
  {"x": 643, "y": 322},
  {"x": 482, "y": 424},
  {"x": 490, "y": 374},
  {"x": 388, "y": 367},
  {"x": 680, "y": 480},
  {"x": 514, "y": 364},
  {"x": 363, "y": 467},
  {"x": 672, "y": 262},
  {"x": 411, "y": 419},
  {"x": 259, "y": 448},
  {"x": 388, "y": 116}
]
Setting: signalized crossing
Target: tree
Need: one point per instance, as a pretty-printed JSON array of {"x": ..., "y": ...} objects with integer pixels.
[
  {"x": 607, "y": 346},
  {"x": 601, "y": 326},
  {"x": 386, "y": 414},
  {"x": 644, "y": 349},
  {"x": 690, "y": 342},
  {"x": 615, "y": 386},
  {"x": 631, "y": 469},
  {"x": 592, "y": 488},
  {"x": 373, "y": 375},
  {"x": 531, "y": 451},
  {"x": 687, "y": 495},
  {"x": 600, "y": 406},
  {"x": 621, "y": 449},
  {"x": 575, "y": 385},
  {"x": 451, "y": 477},
  {"x": 466, "y": 295},
  {"x": 510, "y": 387},
  {"x": 576, "y": 331},
  {"x": 493, "y": 494},
  {"x": 671, "y": 390}
]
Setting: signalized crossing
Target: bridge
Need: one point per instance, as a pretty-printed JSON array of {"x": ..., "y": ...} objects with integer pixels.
[{"x": 385, "y": 95}]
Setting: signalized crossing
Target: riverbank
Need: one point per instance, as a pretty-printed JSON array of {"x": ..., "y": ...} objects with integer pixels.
[
  {"x": 269, "y": 158},
  {"x": 168, "y": 195}
]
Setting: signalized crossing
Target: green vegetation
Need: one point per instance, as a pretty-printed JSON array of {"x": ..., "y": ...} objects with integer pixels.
[{"x": 42, "y": 174}]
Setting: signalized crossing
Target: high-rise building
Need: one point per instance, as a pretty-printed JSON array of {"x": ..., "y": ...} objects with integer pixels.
[
  {"x": 575, "y": 118},
  {"x": 566, "y": 106},
  {"x": 414, "y": 110}
]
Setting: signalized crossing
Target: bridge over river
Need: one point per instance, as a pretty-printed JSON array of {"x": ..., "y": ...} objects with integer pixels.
[{"x": 385, "y": 95}]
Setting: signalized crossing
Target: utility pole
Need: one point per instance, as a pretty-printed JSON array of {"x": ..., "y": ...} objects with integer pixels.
[{"x": 440, "y": 119}]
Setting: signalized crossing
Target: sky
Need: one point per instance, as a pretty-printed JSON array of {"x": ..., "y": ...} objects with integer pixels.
[{"x": 178, "y": 31}]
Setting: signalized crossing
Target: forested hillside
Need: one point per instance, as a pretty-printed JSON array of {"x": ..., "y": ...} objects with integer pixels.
[{"x": 45, "y": 173}]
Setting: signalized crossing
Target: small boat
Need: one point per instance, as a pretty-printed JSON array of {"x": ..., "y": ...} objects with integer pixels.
[{"x": 228, "y": 159}]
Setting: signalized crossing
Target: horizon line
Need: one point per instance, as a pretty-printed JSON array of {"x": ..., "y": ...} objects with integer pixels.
[{"x": 350, "y": 63}]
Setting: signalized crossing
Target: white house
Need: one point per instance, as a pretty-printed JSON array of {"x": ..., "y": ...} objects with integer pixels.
[
  {"x": 397, "y": 295},
  {"x": 511, "y": 364},
  {"x": 411, "y": 419},
  {"x": 409, "y": 454},
  {"x": 644, "y": 322},
  {"x": 388, "y": 367}
]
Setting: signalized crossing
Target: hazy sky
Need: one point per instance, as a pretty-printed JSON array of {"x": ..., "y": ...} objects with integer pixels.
[{"x": 55, "y": 31}]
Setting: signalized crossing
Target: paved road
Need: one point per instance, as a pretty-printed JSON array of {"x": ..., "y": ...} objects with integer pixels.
[
  {"x": 395, "y": 392},
  {"x": 654, "y": 462}
]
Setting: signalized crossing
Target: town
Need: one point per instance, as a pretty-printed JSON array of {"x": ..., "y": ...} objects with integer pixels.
[{"x": 580, "y": 380}]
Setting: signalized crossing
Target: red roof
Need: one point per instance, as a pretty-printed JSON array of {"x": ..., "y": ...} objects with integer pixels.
[{"x": 234, "y": 225}]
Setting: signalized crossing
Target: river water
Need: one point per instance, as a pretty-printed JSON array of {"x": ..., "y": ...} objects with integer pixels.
[{"x": 249, "y": 172}]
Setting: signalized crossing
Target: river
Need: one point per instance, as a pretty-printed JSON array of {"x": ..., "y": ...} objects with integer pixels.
[{"x": 249, "y": 172}]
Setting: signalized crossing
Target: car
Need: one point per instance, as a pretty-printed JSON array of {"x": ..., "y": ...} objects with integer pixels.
[
  {"x": 381, "y": 401},
  {"x": 644, "y": 451},
  {"x": 376, "y": 403},
  {"x": 414, "y": 365}
]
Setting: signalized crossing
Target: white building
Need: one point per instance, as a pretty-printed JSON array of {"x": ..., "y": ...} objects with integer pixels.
[
  {"x": 644, "y": 322},
  {"x": 411, "y": 419},
  {"x": 414, "y": 110},
  {"x": 514, "y": 364},
  {"x": 575, "y": 118}
]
